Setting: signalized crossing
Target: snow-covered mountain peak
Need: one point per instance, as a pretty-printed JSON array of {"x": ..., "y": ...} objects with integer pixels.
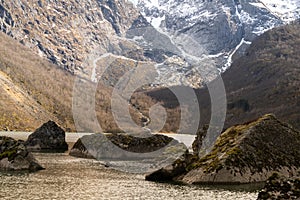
[
  {"x": 286, "y": 10},
  {"x": 221, "y": 27}
]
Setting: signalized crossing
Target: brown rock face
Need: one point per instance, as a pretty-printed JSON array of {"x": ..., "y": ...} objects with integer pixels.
[{"x": 65, "y": 32}]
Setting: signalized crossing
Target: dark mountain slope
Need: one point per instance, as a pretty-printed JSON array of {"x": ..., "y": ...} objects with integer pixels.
[{"x": 267, "y": 79}]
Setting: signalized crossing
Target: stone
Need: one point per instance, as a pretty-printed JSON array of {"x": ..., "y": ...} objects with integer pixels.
[
  {"x": 49, "y": 137},
  {"x": 248, "y": 153},
  {"x": 15, "y": 157},
  {"x": 281, "y": 187},
  {"x": 121, "y": 146},
  {"x": 129, "y": 153}
]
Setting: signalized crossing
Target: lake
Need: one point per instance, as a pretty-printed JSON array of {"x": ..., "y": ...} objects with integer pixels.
[{"x": 66, "y": 177}]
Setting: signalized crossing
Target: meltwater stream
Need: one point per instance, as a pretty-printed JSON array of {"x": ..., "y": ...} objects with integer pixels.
[{"x": 67, "y": 177}]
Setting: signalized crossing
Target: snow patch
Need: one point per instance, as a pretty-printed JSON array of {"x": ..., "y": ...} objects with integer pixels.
[{"x": 229, "y": 59}]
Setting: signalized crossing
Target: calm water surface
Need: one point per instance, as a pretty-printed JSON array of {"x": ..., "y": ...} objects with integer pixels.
[{"x": 66, "y": 177}]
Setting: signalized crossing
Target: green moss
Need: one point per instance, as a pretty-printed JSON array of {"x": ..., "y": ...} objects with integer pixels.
[
  {"x": 234, "y": 151},
  {"x": 8, "y": 154}
]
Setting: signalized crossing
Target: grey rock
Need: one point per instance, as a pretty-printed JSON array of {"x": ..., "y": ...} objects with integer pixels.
[
  {"x": 281, "y": 187},
  {"x": 49, "y": 137},
  {"x": 15, "y": 157},
  {"x": 129, "y": 153},
  {"x": 247, "y": 153}
]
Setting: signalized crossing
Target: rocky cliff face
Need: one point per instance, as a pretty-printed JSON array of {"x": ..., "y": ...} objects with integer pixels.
[
  {"x": 264, "y": 80},
  {"x": 221, "y": 28},
  {"x": 73, "y": 34},
  {"x": 188, "y": 42},
  {"x": 66, "y": 32}
]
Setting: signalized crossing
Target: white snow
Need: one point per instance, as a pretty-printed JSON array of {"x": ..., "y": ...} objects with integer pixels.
[
  {"x": 229, "y": 59},
  {"x": 191, "y": 12},
  {"x": 286, "y": 10}
]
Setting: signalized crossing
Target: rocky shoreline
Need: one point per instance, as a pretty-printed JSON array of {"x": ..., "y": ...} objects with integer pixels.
[
  {"x": 254, "y": 152},
  {"x": 279, "y": 186}
]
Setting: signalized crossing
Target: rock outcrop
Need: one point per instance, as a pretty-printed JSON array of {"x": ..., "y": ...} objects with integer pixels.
[
  {"x": 247, "y": 153},
  {"x": 14, "y": 156},
  {"x": 49, "y": 137},
  {"x": 66, "y": 32},
  {"x": 281, "y": 187},
  {"x": 145, "y": 153}
]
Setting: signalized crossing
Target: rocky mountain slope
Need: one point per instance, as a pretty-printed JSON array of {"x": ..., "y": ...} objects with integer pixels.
[
  {"x": 188, "y": 48},
  {"x": 265, "y": 80},
  {"x": 66, "y": 32},
  {"x": 216, "y": 30},
  {"x": 34, "y": 91},
  {"x": 113, "y": 34}
]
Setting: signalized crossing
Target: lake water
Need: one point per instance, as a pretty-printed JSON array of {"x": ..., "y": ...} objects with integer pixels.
[{"x": 66, "y": 177}]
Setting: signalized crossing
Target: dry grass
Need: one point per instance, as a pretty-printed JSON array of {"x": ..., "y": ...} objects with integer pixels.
[{"x": 36, "y": 91}]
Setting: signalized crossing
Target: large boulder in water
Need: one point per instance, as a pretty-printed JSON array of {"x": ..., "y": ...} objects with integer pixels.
[
  {"x": 281, "y": 187},
  {"x": 156, "y": 149},
  {"x": 14, "y": 156},
  {"x": 49, "y": 137},
  {"x": 246, "y": 153}
]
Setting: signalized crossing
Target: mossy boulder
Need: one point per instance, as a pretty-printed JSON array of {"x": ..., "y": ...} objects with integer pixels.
[
  {"x": 246, "y": 153},
  {"x": 15, "y": 157},
  {"x": 136, "y": 153},
  {"x": 249, "y": 153},
  {"x": 124, "y": 146},
  {"x": 49, "y": 137},
  {"x": 281, "y": 187}
]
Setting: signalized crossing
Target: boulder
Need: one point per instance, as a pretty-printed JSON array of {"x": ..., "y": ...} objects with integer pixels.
[
  {"x": 246, "y": 153},
  {"x": 281, "y": 187},
  {"x": 172, "y": 171},
  {"x": 138, "y": 154},
  {"x": 49, "y": 137},
  {"x": 122, "y": 146},
  {"x": 15, "y": 157}
]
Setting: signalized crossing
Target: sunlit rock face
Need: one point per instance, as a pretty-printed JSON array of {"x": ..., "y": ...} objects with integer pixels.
[
  {"x": 65, "y": 32},
  {"x": 188, "y": 42},
  {"x": 220, "y": 27}
]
